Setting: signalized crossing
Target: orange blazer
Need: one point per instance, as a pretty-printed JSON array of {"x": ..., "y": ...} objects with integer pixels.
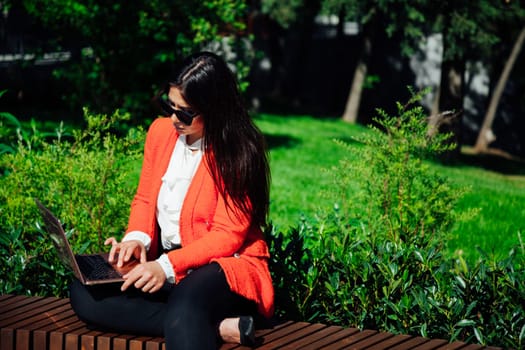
[{"x": 209, "y": 230}]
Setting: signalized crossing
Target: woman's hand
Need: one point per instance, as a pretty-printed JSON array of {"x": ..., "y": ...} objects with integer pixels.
[
  {"x": 148, "y": 276},
  {"x": 126, "y": 250}
]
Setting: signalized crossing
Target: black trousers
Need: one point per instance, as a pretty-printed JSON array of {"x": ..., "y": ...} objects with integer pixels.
[{"x": 187, "y": 314}]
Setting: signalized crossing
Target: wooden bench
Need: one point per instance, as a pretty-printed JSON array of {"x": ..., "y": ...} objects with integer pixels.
[{"x": 40, "y": 323}]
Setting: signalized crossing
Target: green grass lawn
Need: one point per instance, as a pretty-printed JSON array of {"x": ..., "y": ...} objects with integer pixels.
[{"x": 301, "y": 147}]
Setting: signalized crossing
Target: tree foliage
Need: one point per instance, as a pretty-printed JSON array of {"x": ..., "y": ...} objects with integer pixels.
[
  {"x": 407, "y": 19},
  {"x": 283, "y": 12},
  {"x": 124, "y": 50}
]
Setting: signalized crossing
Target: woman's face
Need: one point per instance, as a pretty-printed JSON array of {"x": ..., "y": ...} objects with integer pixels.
[{"x": 194, "y": 131}]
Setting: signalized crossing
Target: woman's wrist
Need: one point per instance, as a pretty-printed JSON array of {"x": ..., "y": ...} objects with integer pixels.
[{"x": 167, "y": 267}]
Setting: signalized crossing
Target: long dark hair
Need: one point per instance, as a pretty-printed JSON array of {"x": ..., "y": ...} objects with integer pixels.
[{"x": 235, "y": 147}]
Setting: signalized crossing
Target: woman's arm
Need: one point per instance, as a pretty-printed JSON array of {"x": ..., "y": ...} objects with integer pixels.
[
  {"x": 141, "y": 205},
  {"x": 158, "y": 148}
]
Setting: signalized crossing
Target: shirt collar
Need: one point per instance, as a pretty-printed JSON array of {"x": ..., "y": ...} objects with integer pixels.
[{"x": 196, "y": 146}]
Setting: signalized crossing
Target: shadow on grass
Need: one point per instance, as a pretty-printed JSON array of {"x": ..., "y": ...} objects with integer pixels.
[
  {"x": 274, "y": 141},
  {"x": 494, "y": 162}
]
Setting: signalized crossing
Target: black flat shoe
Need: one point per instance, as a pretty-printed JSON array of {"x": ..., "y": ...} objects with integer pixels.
[{"x": 247, "y": 330}]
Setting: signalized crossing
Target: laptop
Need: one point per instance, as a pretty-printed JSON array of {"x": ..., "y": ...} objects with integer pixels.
[{"x": 90, "y": 269}]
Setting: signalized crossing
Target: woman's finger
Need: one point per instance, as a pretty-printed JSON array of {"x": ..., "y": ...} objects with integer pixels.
[
  {"x": 122, "y": 255},
  {"x": 143, "y": 257},
  {"x": 113, "y": 250},
  {"x": 110, "y": 240},
  {"x": 129, "y": 253},
  {"x": 130, "y": 278},
  {"x": 156, "y": 287}
]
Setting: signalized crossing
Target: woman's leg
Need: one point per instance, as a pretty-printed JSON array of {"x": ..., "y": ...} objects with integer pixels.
[
  {"x": 107, "y": 307},
  {"x": 197, "y": 305},
  {"x": 188, "y": 315}
]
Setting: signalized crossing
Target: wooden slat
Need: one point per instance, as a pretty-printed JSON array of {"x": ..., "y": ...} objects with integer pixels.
[
  {"x": 121, "y": 342},
  {"x": 370, "y": 341},
  {"x": 308, "y": 339},
  {"x": 390, "y": 342},
  {"x": 291, "y": 337},
  {"x": 104, "y": 341},
  {"x": 283, "y": 332},
  {"x": 155, "y": 344},
  {"x": 261, "y": 333},
  {"x": 22, "y": 340},
  {"x": 72, "y": 339},
  {"x": 473, "y": 347},
  {"x": 352, "y": 339},
  {"x": 456, "y": 346},
  {"x": 4, "y": 297},
  {"x": 7, "y": 339},
  {"x": 432, "y": 344},
  {"x": 139, "y": 342},
  {"x": 410, "y": 343},
  {"x": 331, "y": 339},
  {"x": 88, "y": 341}
]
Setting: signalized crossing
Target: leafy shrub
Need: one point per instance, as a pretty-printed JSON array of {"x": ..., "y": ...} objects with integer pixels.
[
  {"x": 374, "y": 260},
  {"x": 85, "y": 179},
  {"x": 30, "y": 267}
]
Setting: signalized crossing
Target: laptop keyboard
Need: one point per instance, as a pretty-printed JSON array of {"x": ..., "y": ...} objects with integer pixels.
[{"x": 94, "y": 267}]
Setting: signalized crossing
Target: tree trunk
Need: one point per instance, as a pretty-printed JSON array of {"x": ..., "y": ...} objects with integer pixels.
[
  {"x": 353, "y": 102},
  {"x": 451, "y": 93},
  {"x": 485, "y": 135}
]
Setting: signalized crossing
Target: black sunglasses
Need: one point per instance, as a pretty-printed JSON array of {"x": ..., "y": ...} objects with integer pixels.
[{"x": 185, "y": 116}]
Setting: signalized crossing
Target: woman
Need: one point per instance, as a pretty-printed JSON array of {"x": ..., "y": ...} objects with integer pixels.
[{"x": 195, "y": 222}]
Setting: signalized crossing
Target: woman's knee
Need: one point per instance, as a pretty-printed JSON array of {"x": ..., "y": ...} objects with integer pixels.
[
  {"x": 81, "y": 301},
  {"x": 87, "y": 302}
]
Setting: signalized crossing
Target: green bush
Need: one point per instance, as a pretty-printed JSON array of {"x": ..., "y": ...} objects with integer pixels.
[
  {"x": 374, "y": 260},
  {"x": 84, "y": 179}
]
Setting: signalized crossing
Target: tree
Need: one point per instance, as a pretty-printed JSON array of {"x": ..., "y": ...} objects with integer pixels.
[
  {"x": 351, "y": 111},
  {"x": 470, "y": 32},
  {"x": 463, "y": 35},
  {"x": 123, "y": 50},
  {"x": 402, "y": 18},
  {"x": 483, "y": 138}
]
